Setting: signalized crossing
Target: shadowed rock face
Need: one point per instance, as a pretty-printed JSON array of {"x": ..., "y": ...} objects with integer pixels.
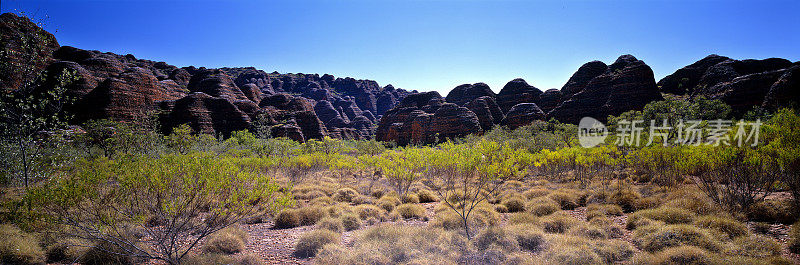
[
  {"x": 466, "y": 93},
  {"x": 206, "y": 114},
  {"x": 15, "y": 32},
  {"x": 786, "y": 91},
  {"x": 627, "y": 84},
  {"x": 488, "y": 112},
  {"x": 125, "y": 88},
  {"x": 550, "y": 99},
  {"x": 742, "y": 84},
  {"x": 523, "y": 114},
  {"x": 685, "y": 79},
  {"x": 116, "y": 87},
  {"x": 517, "y": 91},
  {"x": 581, "y": 78}
]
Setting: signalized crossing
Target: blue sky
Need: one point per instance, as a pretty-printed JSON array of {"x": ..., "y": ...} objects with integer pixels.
[{"x": 426, "y": 45}]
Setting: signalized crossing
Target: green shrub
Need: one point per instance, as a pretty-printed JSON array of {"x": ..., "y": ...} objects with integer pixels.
[
  {"x": 408, "y": 210},
  {"x": 226, "y": 241},
  {"x": 312, "y": 241},
  {"x": 351, "y": 222},
  {"x": 756, "y": 246},
  {"x": 17, "y": 247},
  {"x": 332, "y": 224},
  {"x": 345, "y": 195},
  {"x": 682, "y": 255},
  {"x": 728, "y": 226},
  {"x": 677, "y": 235},
  {"x": 427, "y": 196},
  {"x": 288, "y": 218}
]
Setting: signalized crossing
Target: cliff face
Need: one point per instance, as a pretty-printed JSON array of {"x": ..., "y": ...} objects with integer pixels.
[
  {"x": 595, "y": 90},
  {"x": 216, "y": 101},
  {"x": 743, "y": 84}
]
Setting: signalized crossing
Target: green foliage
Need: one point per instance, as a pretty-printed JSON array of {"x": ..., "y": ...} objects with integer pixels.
[{"x": 100, "y": 196}]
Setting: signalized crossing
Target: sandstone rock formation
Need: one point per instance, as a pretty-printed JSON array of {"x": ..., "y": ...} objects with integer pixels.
[
  {"x": 523, "y": 114},
  {"x": 627, "y": 84},
  {"x": 517, "y": 91},
  {"x": 425, "y": 118},
  {"x": 466, "y": 93},
  {"x": 217, "y": 101},
  {"x": 742, "y": 84},
  {"x": 22, "y": 35}
]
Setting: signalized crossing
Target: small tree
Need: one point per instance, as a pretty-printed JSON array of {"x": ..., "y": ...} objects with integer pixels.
[
  {"x": 472, "y": 173},
  {"x": 177, "y": 201},
  {"x": 737, "y": 177},
  {"x": 35, "y": 105},
  {"x": 401, "y": 168}
]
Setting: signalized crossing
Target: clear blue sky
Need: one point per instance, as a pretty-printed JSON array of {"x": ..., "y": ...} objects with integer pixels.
[{"x": 427, "y": 45}]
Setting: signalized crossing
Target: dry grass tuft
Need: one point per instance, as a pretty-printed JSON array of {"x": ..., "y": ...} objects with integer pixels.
[
  {"x": 345, "y": 195},
  {"x": 669, "y": 215},
  {"x": 410, "y": 198},
  {"x": 332, "y": 224},
  {"x": 659, "y": 238},
  {"x": 681, "y": 255},
  {"x": 288, "y": 218},
  {"x": 558, "y": 222},
  {"x": 566, "y": 199},
  {"x": 601, "y": 210},
  {"x": 17, "y": 247},
  {"x": 350, "y": 222},
  {"x": 794, "y": 238},
  {"x": 427, "y": 196},
  {"x": 227, "y": 241},
  {"x": 514, "y": 204},
  {"x": 756, "y": 246},
  {"x": 312, "y": 241},
  {"x": 730, "y": 227},
  {"x": 408, "y": 211}
]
